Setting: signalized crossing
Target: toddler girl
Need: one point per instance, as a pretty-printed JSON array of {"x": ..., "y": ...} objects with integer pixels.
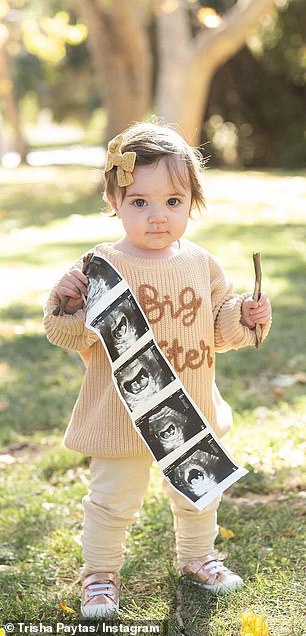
[{"x": 152, "y": 182}]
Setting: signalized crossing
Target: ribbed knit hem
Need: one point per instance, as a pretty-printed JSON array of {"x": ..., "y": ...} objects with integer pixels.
[
  {"x": 230, "y": 327},
  {"x": 63, "y": 330},
  {"x": 115, "y": 437}
]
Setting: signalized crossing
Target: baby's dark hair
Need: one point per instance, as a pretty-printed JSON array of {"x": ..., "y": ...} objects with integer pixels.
[{"x": 153, "y": 142}]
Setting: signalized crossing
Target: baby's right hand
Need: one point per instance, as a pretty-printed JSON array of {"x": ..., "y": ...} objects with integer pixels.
[{"x": 73, "y": 284}]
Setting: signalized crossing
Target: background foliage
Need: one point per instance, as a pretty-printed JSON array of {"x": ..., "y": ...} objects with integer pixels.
[
  {"x": 258, "y": 98},
  {"x": 256, "y": 114}
]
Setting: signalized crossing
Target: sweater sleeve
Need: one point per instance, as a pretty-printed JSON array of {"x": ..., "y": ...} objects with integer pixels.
[
  {"x": 229, "y": 332},
  {"x": 68, "y": 331}
]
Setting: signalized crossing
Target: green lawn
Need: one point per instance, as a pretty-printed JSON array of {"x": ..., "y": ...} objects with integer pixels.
[{"x": 49, "y": 216}]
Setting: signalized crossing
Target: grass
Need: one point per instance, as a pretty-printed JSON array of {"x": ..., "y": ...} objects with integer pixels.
[{"x": 48, "y": 217}]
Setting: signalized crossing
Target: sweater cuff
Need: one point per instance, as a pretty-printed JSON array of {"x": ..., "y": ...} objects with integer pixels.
[
  {"x": 71, "y": 323},
  {"x": 230, "y": 331}
]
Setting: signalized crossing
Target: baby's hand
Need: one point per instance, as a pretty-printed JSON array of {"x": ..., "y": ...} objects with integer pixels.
[
  {"x": 73, "y": 284},
  {"x": 253, "y": 312}
]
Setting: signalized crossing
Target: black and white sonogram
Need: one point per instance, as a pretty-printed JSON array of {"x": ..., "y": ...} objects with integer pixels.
[
  {"x": 200, "y": 469},
  {"x": 143, "y": 376},
  {"x": 170, "y": 425},
  {"x": 121, "y": 325},
  {"x": 101, "y": 278}
]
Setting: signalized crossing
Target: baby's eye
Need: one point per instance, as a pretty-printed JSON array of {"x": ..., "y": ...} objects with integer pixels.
[
  {"x": 173, "y": 202},
  {"x": 139, "y": 203}
]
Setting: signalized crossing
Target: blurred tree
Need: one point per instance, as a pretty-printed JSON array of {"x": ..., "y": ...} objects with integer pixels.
[
  {"x": 42, "y": 36},
  {"x": 119, "y": 44},
  {"x": 185, "y": 98},
  {"x": 168, "y": 55},
  {"x": 120, "y": 49},
  {"x": 280, "y": 45},
  {"x": 7, "y": 93}
]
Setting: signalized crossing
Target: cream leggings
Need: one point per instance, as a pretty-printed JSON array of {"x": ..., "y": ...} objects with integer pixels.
[{"x": 116, "y": 492}]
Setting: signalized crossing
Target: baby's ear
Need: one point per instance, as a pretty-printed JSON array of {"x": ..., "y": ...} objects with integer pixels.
[{"x": 112, "y": 199}]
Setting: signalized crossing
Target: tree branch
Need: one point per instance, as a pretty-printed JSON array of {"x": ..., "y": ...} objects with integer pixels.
[{"x": 226, "y": 39}]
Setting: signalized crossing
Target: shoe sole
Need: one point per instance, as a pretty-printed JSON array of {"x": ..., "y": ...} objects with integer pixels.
[
  {"x": 208, "y": 588},
  {"x": 99, "y": 611}
]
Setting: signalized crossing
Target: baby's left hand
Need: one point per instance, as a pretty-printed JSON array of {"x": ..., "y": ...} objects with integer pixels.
[{"x": 253, "y": 312}]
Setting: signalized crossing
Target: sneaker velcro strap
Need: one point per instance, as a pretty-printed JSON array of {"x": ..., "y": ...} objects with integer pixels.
[
  {"x": 110, "y": 594},
  {"x": 95, "y": 586},
  {"x": 98, "y": 589},
  {"x": 214, "y": 567}
]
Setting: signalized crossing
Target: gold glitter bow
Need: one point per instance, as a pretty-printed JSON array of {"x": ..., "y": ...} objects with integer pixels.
[{"x": 125, "y": 162}]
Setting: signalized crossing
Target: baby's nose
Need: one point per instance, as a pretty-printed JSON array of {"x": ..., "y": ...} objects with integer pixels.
[{"x": 157, "y": 215}]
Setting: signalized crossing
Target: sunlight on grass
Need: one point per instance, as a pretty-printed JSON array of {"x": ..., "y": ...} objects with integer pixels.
[
  {"x": 67, "y": 177},
  {"x": 255, "y": 197},
  {"x": 281, "y": 456},
  {"x": 22, "y": 278}
]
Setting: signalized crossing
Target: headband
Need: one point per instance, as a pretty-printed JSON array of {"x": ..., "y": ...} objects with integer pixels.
[{"x": 125, "y": 162}]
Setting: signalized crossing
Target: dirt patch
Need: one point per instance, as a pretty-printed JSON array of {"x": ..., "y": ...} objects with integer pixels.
[{"x": 255, "y": 499}]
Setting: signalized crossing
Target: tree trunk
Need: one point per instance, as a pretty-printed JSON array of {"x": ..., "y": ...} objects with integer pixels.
[
  {"x": 173, "y": 29},
  {"x": 190, "y": 108},
  {"x": 119, "y": 46},
  {"x": 10, "y": 102},
  {"x": 209, "y": 50}
]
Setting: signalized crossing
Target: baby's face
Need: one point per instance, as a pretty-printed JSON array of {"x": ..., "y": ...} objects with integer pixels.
[{"x": 155, "y": 210}]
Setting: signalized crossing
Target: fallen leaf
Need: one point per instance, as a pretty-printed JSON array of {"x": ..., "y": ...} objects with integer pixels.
[
  {"x": 225, "y": 533},
  {"x": 66, "y": 609},
  {"x": 253, "y": 625},
  {"x": 278, "y": 391}
]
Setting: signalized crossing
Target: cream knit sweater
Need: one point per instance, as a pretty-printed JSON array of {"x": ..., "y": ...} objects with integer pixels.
[{"x": 192, "y": 312}]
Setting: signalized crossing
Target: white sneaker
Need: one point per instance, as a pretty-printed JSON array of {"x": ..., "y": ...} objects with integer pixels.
[
  {"x": 209, "y": 573},
  {"x": 100, "y": 594}
]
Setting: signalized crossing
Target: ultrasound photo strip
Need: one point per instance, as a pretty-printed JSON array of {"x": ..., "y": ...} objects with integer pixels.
[
  {"x": 171, "y": 425},
  {"x": 143, "y": 376},
  {"x": 121, "y": 325}
]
